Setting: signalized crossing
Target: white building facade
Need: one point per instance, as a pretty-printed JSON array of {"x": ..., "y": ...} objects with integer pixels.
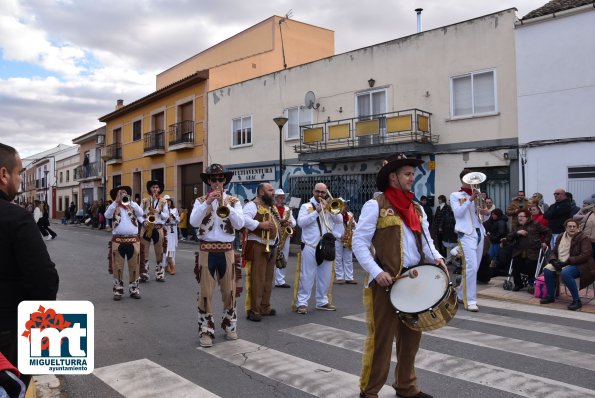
[
  {"x": 555, "y": 56},
  {"x": 447, "y": 96}
]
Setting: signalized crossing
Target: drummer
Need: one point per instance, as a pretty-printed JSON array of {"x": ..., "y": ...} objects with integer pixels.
[{"x": 398, "y": 229}]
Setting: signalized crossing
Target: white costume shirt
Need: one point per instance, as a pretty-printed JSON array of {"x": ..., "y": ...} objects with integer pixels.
[
  {"x": 465, "y": 213},
  {"x": 307, "y": 222},
  {"x": 126, "y": 227},
  {"x": 250, "y": 210},
  {"x": 217, "y": 233},
  {"x": 366, "y": 227}
]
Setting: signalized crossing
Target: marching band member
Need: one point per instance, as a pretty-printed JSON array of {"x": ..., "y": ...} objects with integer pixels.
[
  {"x": 263, "y": 224},
  {"x": 471, "y": 233},
  {"x": 344, "y": 256},
  {"x": 152, "y": 231},
  {"x": 287, "y": 220},
  {"x": 314, "y": 221},
  {"x": 171, "y": 229},
  {"x": 125, "y": 243},
  {"x": 396, "y": 226},
  {"x": 217, "y": 216}
]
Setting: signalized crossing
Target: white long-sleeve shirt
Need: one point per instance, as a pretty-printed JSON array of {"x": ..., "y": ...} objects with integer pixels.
[
  {"x": 217, "y": 233},
  {"x": 366, "y": 227},
  {"x": 465, "y": 213},
  {"x": 250, "y": 210},
  {"x": 125, "y": 227},
  {"x": 307, "y": 221}
]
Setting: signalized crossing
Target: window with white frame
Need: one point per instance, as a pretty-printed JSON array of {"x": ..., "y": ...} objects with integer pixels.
[
  {"x": 371, "y": 103},
  {"x": 297, "y": 117},
  {"x": 473, "y": 94},
  {"x": 241, "y": 133}
]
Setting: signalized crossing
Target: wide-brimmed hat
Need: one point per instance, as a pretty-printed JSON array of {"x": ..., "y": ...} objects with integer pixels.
[
  {"x": 154, "y": 182},
  {"x": 279, "y": 192},
  {"x": 114, "y": 192},
  {"x": 213, "y": 170},
  {"x": 167, "y": 197},
  {"x": 394, "y": 162}
]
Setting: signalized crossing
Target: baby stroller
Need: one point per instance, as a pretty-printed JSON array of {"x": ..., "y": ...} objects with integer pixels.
[{"x": 508, "y": 284}]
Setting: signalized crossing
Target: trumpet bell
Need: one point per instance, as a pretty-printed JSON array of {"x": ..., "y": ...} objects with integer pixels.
[
  {"x": 125, "y": 199},
  {"x": 223, "y": 212},
  {"x": 151, "y": 219},
  {"x": 289, "y": 231},
  {"x": 474, "y": 178},
  {"x": 336, "y": 206}
]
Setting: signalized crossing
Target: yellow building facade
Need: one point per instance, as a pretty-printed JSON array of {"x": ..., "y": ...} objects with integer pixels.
[{"x": 160, "y": 137}]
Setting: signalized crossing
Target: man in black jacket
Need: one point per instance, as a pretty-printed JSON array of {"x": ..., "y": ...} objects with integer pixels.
[
  {"x": 557, "y": 213},
  {"x": 26, "y": 270}
]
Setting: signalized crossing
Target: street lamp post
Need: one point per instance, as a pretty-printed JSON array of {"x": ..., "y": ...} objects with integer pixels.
[{"x": 280, "y": 121}]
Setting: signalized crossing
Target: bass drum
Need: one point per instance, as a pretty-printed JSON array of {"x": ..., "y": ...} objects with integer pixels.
[{"x": 426, "y": 302}]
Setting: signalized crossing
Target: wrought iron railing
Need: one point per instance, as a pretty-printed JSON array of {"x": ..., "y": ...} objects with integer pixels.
[
  {"x": 154, "y": 140},
  {"x": 411, "y": 125},
  {"x": 113, "y": 152},
  {"x": 91, "y": 170},
  {"x": 181, "y": 133}
]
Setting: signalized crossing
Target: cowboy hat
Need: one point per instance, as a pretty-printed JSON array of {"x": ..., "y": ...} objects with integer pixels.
[
  {"x": 114, "y": 192},
  {"x": 154, "y": 182},
  {"x": 216, "y": 169},
  {"x": 167, "y": 197},
  {"x": 394, "y": 163},
  {"x": 279, "y": 192}
]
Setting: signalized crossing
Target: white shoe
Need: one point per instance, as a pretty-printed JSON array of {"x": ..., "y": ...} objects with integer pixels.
[
  {"x": 472, "y": 308},
  {"x": 206, "y": 341},
  {"x": 49, "y": 237},
  {"x": 231, "y": 335}
]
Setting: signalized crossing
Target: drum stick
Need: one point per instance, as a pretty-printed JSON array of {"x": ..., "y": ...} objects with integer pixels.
[{"x": 409, "y": 274}]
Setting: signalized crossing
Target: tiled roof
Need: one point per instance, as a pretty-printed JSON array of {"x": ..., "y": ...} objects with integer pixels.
[{"x": 556, "y": 6}]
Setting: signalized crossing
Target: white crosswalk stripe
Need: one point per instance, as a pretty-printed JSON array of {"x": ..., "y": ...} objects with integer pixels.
[
  {"x": 536, "y": 309},
  {"x": 460, "y": 368},
  {"x": 146, "y": 379}
]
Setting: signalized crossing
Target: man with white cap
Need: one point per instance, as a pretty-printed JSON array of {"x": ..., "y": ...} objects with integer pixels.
[
  {"x": 171, "y": 232},
  {"x": 287, "y": 220},
  {"x": 343, "y": 254}
]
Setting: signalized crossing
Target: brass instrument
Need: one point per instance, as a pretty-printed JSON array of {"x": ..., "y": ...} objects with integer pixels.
[
  {"x": 265, "y": 235},
  {"x": 335, "y": 206},
  {"x": 222, "y": 211},
  {"x": 151, "y": 217},
  {"x": 125, "y": 199},
  {"x": 474, "y": 179},
  {"x": 281, "y": 261},
  {"x": 348, "y": 234}
]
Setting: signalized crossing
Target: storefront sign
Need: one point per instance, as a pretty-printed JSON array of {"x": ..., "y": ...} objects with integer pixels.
[{"x": 266, "y": 173}]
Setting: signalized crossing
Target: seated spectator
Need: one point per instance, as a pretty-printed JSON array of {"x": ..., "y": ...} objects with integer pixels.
[
  {"x": 572, "y": 257},
  {"x": 586, "y": 221},
  {"x": 526, "y": 240},
  {"x": 496, "y": 230},
  {"x": 537, "y": 214}
]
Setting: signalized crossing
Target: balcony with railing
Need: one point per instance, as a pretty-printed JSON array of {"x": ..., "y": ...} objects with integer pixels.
[
  {"x": 181, "y": 135},
  {"x": 112, "y": 153},
  {"x": 407, "y": 131},
  {"x": 154, "y": 143},
  {"x": 88, "y": 172}
]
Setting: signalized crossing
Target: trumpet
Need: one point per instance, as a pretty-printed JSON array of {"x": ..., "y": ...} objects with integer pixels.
[
  {"x": 222, "y": 210},
  {"x": 150, "y": 225},
  {"x": 125, "y": 199},
  {"x": 335, "y": 206},
  {"x": 474, "y": 179}
]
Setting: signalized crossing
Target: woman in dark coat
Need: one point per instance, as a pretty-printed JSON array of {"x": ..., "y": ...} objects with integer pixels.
[
  {"x": 496, "y": 229},
  {"x": 444, "y": 221},
  {"x": 572, "y": 257},
  {"x": 526, "y": 241}
]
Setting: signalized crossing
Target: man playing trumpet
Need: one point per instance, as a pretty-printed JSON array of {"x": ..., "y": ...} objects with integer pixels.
[
  {"x": 217, "y": 215},
  {"x": 287, "y": 223},
  {"x": 263, "y": 224},
  {"x": 156, "y": 214},
  {"x": 315, "y": 219},
  {"x": 125, "y": 243}
]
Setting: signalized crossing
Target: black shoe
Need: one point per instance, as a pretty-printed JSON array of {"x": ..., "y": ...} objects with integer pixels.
[
  {"x": 516, "y": 288},
  {"x": 418, "y": 395},
  {"x": 54, "y": 237},
  {"x": 546, "y": 300},
  {"x": 254, "y": 317},
  {"x": 285, "y": 285},
  {"x": 576, "y": 304},
  {"x": 273, "y": 312}
]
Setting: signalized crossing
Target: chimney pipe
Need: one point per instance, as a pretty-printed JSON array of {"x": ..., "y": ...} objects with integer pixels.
[
  {"x": 418, "y": 11},
  {"x": 119, "y": 104}
]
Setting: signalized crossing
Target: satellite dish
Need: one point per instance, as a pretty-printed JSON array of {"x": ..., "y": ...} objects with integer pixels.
[{"x": 310, "y": 100}]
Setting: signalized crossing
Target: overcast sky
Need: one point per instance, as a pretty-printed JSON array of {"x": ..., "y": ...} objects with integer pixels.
[{"x": 63, "y": 63}]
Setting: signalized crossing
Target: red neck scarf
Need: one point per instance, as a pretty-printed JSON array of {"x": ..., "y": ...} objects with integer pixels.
[
  {"x": 345, "y": 218},
  {"x": 402, "y": 201},
  {"x": 281, "y": 210},
  {"x": 468, "y": 191}
]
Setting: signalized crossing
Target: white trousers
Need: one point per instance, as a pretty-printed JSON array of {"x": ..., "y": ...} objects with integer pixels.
[
  {"x": 310, "y": 272},
  {"x": 280, "y": 272},
  {"x": 343, "y": 262},
  {"x": 471, "y": 247}
]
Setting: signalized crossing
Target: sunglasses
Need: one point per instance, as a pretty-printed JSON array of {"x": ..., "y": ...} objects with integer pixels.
[{"x": 217, "y": 179}]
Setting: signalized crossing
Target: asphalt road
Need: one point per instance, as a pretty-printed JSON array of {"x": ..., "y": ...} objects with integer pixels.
[{"x": 149, "y": 347}]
